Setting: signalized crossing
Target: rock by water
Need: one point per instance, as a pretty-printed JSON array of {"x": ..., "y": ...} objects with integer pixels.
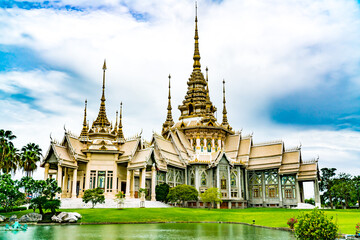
[
  {"x": 31, "y": 217},
  {"x": 66, "y": 217}
]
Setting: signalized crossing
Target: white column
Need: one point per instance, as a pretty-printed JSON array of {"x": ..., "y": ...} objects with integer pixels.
[
  {"x": 132, "y": 184},
  {"x": 59, "y": 178},
  {"x": 229, "y": 183},
  {"x": 73, "y": 195},
  {"x": 153, "y": 183},
  {"x": 128, "y": 182},
  {"x": 239, "y": 181},
  {"x": 197, "y": 178},
  {"x": 297, "y": 188},
  {"x": 246, "y": 186},
  {"x": 317, "y": 194},
  {"x": 143, "y": 178},
  {"x": 280, "y": 190},
  {"x": 218, "y": 178},
  {"x": 87, "y": 177},
  {"x": 114, "y": 179},
  {"x": 46, "y": 173},
  {"x": 66, "y": 183}
]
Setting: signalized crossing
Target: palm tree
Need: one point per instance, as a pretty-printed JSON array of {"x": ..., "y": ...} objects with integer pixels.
[
  {"x": 9, "y": 157},
  {"x": 30, "y": 155}
]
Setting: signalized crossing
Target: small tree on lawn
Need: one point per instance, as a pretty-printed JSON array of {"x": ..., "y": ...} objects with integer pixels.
[
  {"x": 161, "y": 191},
  {"x": 120, "y": 198},
  {"x": 212, "y": 195},
  {"x": 9, "y": 192},
  {"x": 315, "y": 225},
  {"x": 43, "y": 192},
  {"x": 182, "y": 193},
  {"x": 94, "y": 196}
]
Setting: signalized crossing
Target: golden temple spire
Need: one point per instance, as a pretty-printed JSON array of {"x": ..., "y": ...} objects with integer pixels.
[
  {"x": 196, "y": 57},
  {"x": 116, "y": 122},
  {"x": 120, "y": 131},
  {"x": 102, "y": 120},
  {"x": 169, "y": 120},
  {"x": 84, "y": 135},
  {"x": 225, "y": 121},
  {"x": 207, "y": 84}
]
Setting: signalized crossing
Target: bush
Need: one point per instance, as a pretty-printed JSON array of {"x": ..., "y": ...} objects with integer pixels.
[
  {"x": 291, "y": 222},
  {"x": 182, "y": 193},
  {"x": 52, "y": 205},
  {"x": 2, "y": 210},
  {"x": 212, "y": 195},
  {"x": 162, "y": 191},
  {"x": 310, "y": 201},
  {"x": 94, "y": 196},
  {"x": 315, "y": 225},
  {"x": 120, "y": 198}
]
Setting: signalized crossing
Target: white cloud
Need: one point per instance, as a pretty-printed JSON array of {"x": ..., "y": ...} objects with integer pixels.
[{"x": 264, "y": 49}]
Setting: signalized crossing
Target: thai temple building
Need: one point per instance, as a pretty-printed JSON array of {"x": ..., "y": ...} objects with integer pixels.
[{"x": 198, "y": 150}]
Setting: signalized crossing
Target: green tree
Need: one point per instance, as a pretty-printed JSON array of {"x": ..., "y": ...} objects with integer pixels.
[
  {"x": 9, "y": 156},
  {"x": 30, "y": 156},
  {"x": 325, "y": 184},
  {"x": 310, "y": 201},
  {"x": 315, "y": 225},
  {"x": 212, "y": 195},
  {"x": 43, "y": 192},
  {"x": 161, "y": 191},
  {"x": 356, "y": 182},
  {"x": 343, "y": 189},
  {"x": 182, "y": 193},
  {"x": 94, "y": 196},
  {"x": 9, "y": 192}
]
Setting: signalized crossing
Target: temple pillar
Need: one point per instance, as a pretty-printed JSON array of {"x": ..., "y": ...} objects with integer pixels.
[
  {"x": 115, "y": 179},
  {"x": 46, "y": 173},
  {"x": 229, "y": 183},
  {"x": 197, "y": 178},
  {"x": 59, "y": 178},
  {"x": 297, "y": 188},
  {"x": 87, "y": 177},
  {"x": 66, "y": 182},
  {"x": 128, "y": 183},
  {"x": 142, "y": 178},
  {"x": 317, "y": 194},
  {"x": 280, "y": 191},
  {"x": 246, "y": 186},
  {"x": 73, "y": 194},
  {"x": 239, "y": 181},
  {"x": 132, "y": 184},
  {"x": 153, "y": 183}
]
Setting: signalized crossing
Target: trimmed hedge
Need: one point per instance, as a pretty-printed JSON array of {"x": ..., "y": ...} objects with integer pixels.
[{"x": 2, "y": 210}]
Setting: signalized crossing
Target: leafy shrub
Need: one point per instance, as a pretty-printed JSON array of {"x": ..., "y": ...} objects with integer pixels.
[
  {"x": 212, "y": 195},
  {"x": 315, "y": 225},
  {"x": 291, "y": 222},
  {"x": 2, "y": 210},
  {"x": 182, "y": 193},
  {"x": 310, "y": 201},
  {"x": 120, "y": 198},
  {"x": 162, "y": 191},
  {"x": 357, "y": 228},
  {"x": 94, "y": 196},
  {"x": 52, "y": 205}
]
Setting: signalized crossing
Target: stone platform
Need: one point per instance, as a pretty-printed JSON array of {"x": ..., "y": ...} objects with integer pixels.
[{"x": 69, "y": 203}]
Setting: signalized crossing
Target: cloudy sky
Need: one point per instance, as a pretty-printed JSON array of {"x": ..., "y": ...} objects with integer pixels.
[{"x": 292, "y": 68}]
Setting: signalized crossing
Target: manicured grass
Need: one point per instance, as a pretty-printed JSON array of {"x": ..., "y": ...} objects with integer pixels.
[{"x": 271, "y": 217}]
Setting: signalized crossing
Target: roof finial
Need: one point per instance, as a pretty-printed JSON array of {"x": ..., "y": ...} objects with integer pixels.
[
  {"x": 225, "y": 121},
  {"x": 102, "y": 120},
  {"x": 120, "y": 131},
  {"x": 84, "y": 135},
  {"x": 196, "y": 50},
  {"x": 116, "y": 122},
  {"x": 169, "y": 120}
]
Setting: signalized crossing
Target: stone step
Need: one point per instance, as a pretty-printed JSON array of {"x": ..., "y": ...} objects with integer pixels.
[{"x": 69, "y": 203}]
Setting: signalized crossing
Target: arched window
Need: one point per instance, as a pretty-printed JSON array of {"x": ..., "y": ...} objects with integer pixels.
[
  {"x": 202, "y": 144},
  {"x": 203, "y": 179},
  {"x": 191, "y": 109},
  {"x": 208, "y": 145}
]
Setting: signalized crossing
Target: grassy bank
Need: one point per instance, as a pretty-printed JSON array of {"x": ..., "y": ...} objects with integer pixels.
[{"x": 271, "y": 217}]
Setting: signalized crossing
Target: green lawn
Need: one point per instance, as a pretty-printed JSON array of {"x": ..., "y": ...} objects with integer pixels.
[{"x": 271, "y": 217}]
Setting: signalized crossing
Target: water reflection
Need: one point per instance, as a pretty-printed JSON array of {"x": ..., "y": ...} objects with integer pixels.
[{"x": 147, "y": 231}]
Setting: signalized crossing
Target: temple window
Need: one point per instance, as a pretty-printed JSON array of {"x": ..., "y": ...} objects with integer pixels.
[
  {"x": 109, "y": 181},
  {"x": 101, "y": 179},
  {"x": 255, "y": 184},
  {"x": 194, "y": 144},
  {"x": 92, "y": 179},
  {"x": 202, "y": 144},
  {"x": 208, "y": 145},
  {"x": 216, "y": 146},
  {"x": 271, "y": 184},
  {"x": 288, "y": 186},
  {"x": 203, "y": 179},
  {"x": 191, "y": 109},
  {"x": 223, "y": 184},
  {"x": 233, "y": 179}
]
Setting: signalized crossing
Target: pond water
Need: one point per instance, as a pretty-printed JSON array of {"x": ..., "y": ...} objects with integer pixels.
[{"x": 147, "y": 231}]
